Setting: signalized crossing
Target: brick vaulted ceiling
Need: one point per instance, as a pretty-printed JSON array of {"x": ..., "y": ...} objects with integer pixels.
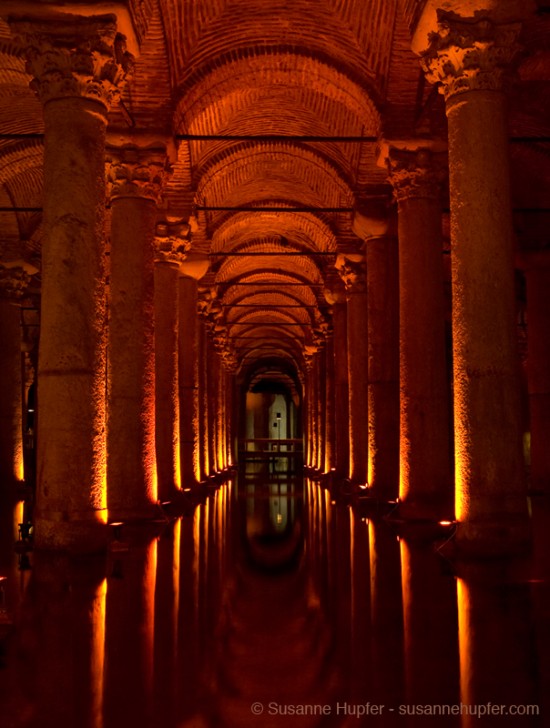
[{"x": 258, "y": 81}]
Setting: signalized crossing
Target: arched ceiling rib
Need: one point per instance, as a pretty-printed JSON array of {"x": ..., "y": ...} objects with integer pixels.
[{"x": 289, "y": 98}]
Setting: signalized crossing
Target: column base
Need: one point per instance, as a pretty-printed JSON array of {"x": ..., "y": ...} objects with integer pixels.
[
  {"x": 72, "y": 533},
  {"x": 423, "y": 510},
  {"x": 137, "y": 514},
  {"x": 493, "y": 539}
]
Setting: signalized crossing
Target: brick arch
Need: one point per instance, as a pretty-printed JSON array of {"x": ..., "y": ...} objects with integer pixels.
[
  {"x": 286, "y": 167},
  {"x": 303, "y": 228},
  {"x": 210, "y": 105},
  {"x": 302, "y": 268}
]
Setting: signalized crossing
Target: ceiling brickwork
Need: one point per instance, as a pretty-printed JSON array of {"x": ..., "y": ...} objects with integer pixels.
[{"x": 331, "y": 77}]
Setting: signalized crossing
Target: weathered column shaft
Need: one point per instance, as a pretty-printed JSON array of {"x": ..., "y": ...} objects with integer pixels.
[
  {"x": 188, "y": 382},
  {"x": 71, "y": 360},
  {"x": 321, "y": 408},
  {"x": 76, "y": 82},
  {"x": 329, "y": 462},
  {"x": 203, "y": 403},
  {"x": 538, "y": 369},
  {"x": 468, "y": 58},
  {"x": 383, "y": 321},
  {"x": 352, "y": 270},
  {"x": 211, "y": 385},
  {"x": 425, "y": 468},
  {"x": 12, "y": 285},
  {"x": 166, "y": 380},
  {"x": 136, "y": 175},
  {"x": 341, "y": 395}
]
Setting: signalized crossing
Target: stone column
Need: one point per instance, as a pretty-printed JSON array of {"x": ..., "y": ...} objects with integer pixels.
[
  {"x": 468, "y": 58},
  {"x": 192, "y": 270},
  {"x": 13, "y": 282},
  {"x": 322, "y": 408},
  {"x": 137, "y": 175},
  {"x": 351, "y": 267},
  {"x": 203, "y": 403},
  {"x": 210, "y": 392},
  {"x": 171, "y": 250},
  {"x": 330, "y": 405},
  {"x": 375, "y": 225},
  {"x": 425, "y": 468},
  {"x": 537, "y": 274},
  {"x": 335, "y": 296},
  {"x": 315, "y": 411},
  {"x": 77, "y": 65}
]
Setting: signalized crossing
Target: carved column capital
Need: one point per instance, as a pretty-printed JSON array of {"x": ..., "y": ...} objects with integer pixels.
[
  {"x": 171, "y": 242},
  {"x": 208, "y": 305},
  {"x": 13, "y": 283},
  {"x": 135, "y": 171},
  {"x": 310, "y": 352},
  {"x": 469, "y": 55},
  {"x": 416, "y": 173},
  {"x": 78, "y": 57},
  {"x": 352, "y": 271},
  {"x": 374, "y": 218}
]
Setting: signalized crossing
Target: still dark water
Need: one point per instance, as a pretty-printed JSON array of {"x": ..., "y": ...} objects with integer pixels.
[{"x": 270, "y": 605}]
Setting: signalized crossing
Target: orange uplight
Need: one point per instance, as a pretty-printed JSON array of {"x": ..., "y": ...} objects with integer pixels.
[
  {"x": 464, "y": 640},
  {"x": 18, "y": 514},
  {"x": 97, "y": 657},
  {"x": 176, "y": 571},
  {"x": 19, "y": 467}
]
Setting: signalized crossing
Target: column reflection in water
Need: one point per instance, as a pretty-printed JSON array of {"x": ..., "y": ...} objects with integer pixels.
[
  {"x": 498, "y": 660},
  {"x": 430, "y": 630},
  {"x": 188, "y": 621},
  {"x": 341, "y": 612},
  {"x": 167, "y": 597},
  {"x": 360, "y": 669},
  {"x": 130, "y": 637},
  {"x": 61, "y": 640},
  {"x": 386, "y": 619}
]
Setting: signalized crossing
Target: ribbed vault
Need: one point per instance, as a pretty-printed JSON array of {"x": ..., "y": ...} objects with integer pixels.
[{"x": 276, "y": 109}]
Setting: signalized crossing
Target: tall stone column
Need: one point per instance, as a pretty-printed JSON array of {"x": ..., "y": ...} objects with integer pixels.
[
  {"x": 335, "y": 296},
  {"x": 374, "y": 224},
  {"x": 137, "y": 175},
  {"x": 315, "y": 411},
  {"x": 329, "y": 436},
  {"x": 192, "y": 270},
  {"x": 210, "y": 393},
  {"x": 308, "y": 411},
  {"x": 425, "y": 489},
  {"x": 468, "y": 58},
  {"x": 203, "y": 403},
  {"x": 77, "y": 64},
  {"x": 321, "y": 408},
  {"x": 351, "y": 267},
  {"x": 13, "y": 282},
  {"x": 171, "y": 250},
  {"x": 537, "y": 274}
]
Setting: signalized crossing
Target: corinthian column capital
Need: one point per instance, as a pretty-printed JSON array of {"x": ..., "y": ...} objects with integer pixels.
[
  {"x": 13, "y": 283},
  {"x": 466, "y": 54},
  {"x": 135, "y": 171},
  {"x": 74, "y": 56},
  {"x": 352, "y": 271},
  {"x": 172, "y": 242},
  {"x": 415, "y": 173}
]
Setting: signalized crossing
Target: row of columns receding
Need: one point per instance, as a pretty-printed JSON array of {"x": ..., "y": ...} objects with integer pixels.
[
  {"x": 166, "y": 422},
  {"x": 76, "y": 458},
  {"x": 404, "y": 415}
]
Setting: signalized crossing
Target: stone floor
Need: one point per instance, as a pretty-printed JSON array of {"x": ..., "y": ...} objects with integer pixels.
[{"x": 271, "y": 605}]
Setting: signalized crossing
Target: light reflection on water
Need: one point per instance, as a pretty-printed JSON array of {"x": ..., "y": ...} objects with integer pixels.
[{"x": 268, "y": 592}]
